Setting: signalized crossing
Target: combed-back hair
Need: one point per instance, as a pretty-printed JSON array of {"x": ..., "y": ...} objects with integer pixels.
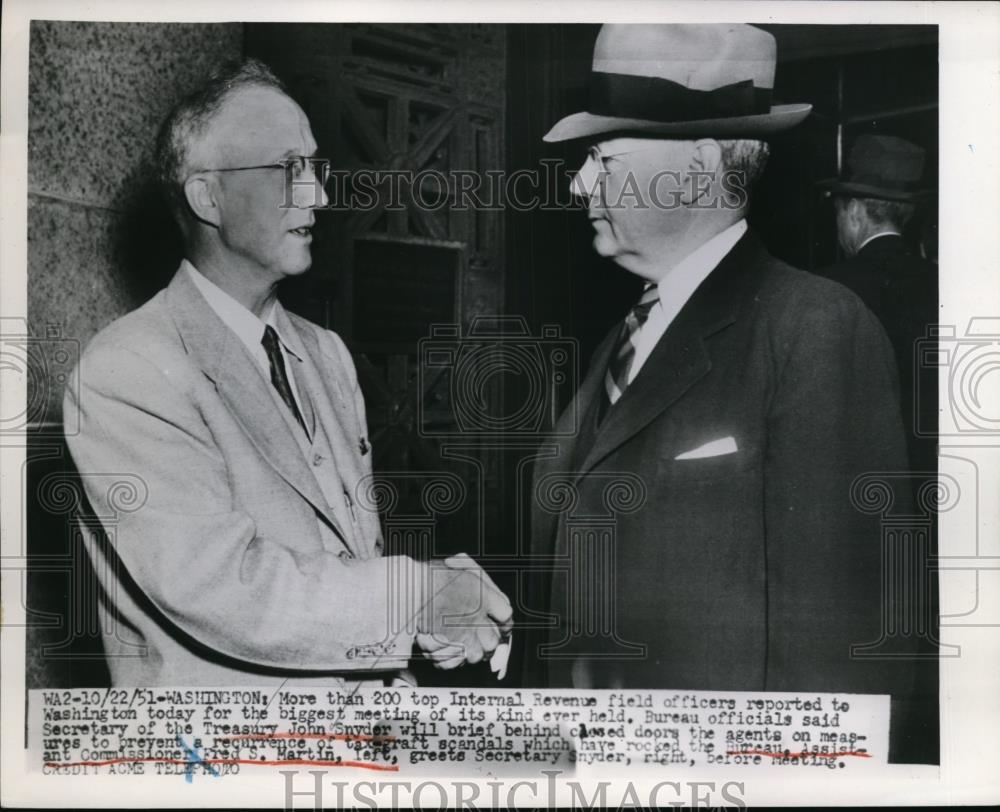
[
  {"x": 746, "y": 158},
  {"x": 190, "y": 117},
  {"x": 892, "y": 213}
]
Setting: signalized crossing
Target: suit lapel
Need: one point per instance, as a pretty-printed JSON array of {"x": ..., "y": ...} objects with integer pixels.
[
  {"x": 306, "y": 397},
  {"x": 566, "y": 435},
  {"x": 334, "y": 411},
  {"x": 225, "y": 360},
  {"x": 567, "y": 429},
  {"x": 680, "y": 358}
]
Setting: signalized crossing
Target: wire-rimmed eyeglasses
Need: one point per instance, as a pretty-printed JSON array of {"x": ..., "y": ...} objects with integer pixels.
[
  {"x": 599, "y": 157},
  {"x": 295, "y": 167}
]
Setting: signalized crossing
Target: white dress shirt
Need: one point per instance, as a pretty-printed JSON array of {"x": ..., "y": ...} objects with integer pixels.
[
  {"x": 676, "y": 288},
  {"x": 250, "y": 329}
]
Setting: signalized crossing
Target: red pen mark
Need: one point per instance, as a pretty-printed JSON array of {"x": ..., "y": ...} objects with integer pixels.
[
  {"x": 185, "y": 762},
  {"x": 803, "y": 754}
]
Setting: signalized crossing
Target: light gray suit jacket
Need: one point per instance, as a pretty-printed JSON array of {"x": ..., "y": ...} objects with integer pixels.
[{"x": 226, "y": 565}]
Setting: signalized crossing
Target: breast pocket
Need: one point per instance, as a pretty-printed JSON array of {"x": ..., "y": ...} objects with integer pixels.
[{"x": 715, "y": 466}]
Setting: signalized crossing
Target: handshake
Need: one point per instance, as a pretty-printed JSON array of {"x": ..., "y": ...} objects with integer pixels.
[{"x": 464, "y": 617}]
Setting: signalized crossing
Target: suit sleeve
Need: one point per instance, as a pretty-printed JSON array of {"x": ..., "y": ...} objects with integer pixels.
[
  {"x": 834, "y": 416},
  {"x": 200, "y": 560}
]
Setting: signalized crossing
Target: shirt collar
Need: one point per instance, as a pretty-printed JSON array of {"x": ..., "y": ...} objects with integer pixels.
[
  {"x": 247, "y": 326},
  {"x": 278, "y": 319},
  {"x": 697, "y": 265}
]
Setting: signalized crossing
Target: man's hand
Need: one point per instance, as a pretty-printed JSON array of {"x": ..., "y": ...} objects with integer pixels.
[{"x": 465, "y": 615}]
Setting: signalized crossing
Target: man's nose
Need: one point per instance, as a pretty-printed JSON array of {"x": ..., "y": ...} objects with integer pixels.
[
  {"x": 308, "y": 192},
  {"x": 323, "y": 200},
  {"x": 587, "y": 180}
]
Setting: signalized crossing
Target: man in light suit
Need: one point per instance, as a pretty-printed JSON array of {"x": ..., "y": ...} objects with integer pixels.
[
  {"x": 734, "y": 407},
  {"x": 249, "y": 554}
]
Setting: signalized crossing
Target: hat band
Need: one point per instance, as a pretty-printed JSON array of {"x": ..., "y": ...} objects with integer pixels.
[
  {"x": 656, "y": 99},
  {"x": 896, "y": 184}
]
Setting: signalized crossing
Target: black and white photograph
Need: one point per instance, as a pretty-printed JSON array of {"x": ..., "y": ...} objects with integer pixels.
[{"x": 528, "y": 398}]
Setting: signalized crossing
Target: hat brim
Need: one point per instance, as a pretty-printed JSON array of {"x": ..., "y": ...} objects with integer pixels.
[
  {"x": 583, "y": 125},
  {"x": 840, "y": 188}
]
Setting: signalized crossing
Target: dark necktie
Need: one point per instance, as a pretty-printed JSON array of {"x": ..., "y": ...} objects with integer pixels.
[
  {"x": 616, "y": 377},
  {"x": 279, "y": 378}
]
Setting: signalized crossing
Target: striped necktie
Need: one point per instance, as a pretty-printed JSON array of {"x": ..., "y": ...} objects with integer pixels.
[
  {"x": 616, "y": 377},
  {"x": 279, "y": 378}
]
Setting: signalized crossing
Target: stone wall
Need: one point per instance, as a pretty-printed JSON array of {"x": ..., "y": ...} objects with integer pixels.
[
  {"x": 99, "y": 244},
  {"x": 99, "y": 241}
]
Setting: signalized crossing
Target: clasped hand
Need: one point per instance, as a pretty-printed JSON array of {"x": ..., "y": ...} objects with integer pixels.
[{"x": 464, "y": 616}]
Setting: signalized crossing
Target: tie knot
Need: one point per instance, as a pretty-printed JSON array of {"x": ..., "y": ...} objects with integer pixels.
[
  {"x": 650, "y": 296},
  {"x": 270, "y": 339}
]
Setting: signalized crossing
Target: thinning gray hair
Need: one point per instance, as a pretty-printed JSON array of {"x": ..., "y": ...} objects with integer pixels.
[
  {"x": 190, "y": 117},
  {"x": 892, "y": 213},
  {"x": 746, "y": 157}
]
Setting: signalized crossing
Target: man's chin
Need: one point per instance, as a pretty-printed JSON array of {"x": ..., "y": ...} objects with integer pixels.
[
  {"x": 606, "y": 247},
  {"x": 299, "y": 266},
  {"x": 610, "y": 249}
]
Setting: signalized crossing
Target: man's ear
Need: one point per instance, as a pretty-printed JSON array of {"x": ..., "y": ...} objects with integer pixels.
[
  {"x": 704, "y": 167},
  {"x": 852, "y": 226},
  {"x": 857, "y": 216},
  {"x": 199, "y": 191},
  {"x": 707, "y": 155}
]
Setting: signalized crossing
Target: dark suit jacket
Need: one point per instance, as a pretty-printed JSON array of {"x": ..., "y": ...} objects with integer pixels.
[
  {"x": 750, "y": 570},
  {"x": 900, "y": 288}
]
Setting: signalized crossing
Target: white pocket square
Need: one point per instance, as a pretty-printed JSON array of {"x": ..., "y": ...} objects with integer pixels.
[{"x": 715, "y": 448}]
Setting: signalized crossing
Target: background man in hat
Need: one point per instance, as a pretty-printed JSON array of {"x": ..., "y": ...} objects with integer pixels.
[
  {"x": 250, "y": 558},
  {"x": 874, "y": 204},
  {"x": 737, "y": 402}
]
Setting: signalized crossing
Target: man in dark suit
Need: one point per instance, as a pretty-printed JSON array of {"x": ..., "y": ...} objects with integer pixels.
[
  {"x": 874, "y": 204},
  {"x": 698, "y": 527}
]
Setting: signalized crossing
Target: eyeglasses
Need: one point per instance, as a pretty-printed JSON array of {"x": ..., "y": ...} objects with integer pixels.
[
  {"x": 595, "y": 154},
  {"x": 295, "y": 166}
]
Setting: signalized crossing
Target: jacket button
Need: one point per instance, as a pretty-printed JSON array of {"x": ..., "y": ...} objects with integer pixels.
[
  {"x": 317, "y": 459},
  {"x": 345, "y": 554}
]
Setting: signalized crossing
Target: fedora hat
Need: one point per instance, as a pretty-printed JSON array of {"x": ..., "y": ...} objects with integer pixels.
[
  {"x": 704, "y": 79},
  {"x": 883, "y": 167}
]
